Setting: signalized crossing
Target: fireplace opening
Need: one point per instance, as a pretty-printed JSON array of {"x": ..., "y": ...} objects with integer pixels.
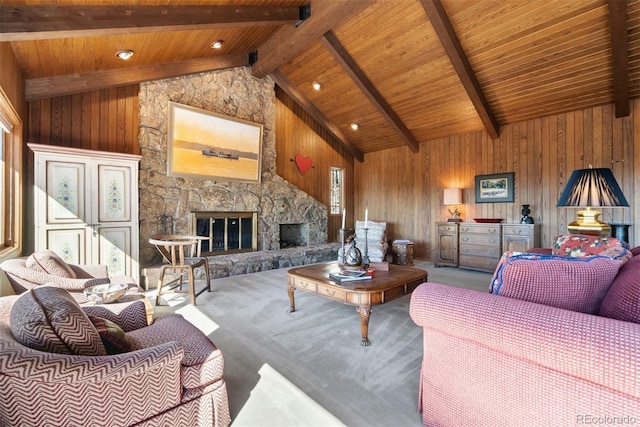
[
  {"x": 294, "y": 235},
  {"x": 226, "y": 232}
]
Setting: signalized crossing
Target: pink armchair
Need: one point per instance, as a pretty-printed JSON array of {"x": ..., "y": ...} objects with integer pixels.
[
  {"x": 496, "y": 360},
  {"x": 169, "y": 374}
]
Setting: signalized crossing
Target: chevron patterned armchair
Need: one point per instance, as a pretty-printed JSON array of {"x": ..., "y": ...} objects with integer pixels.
[
  {"x": 63, "y": 365},
  {"x": 46, "y": 267}
]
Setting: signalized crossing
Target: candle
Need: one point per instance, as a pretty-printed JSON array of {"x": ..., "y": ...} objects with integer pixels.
[
  {"x": 344, "y": 211},
  {"x": 366, "y": 217}
]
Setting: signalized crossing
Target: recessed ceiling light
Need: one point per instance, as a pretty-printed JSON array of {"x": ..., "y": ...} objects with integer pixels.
[
  {"x": 355, "y": 126},
  {"x": 317, "y": 86},
  {"x": 124, "y": 54},
  {"x": 217, "y": 44}
]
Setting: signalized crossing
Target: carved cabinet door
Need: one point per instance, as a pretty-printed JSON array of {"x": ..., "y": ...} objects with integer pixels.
[{"x": 86, "y": 207}]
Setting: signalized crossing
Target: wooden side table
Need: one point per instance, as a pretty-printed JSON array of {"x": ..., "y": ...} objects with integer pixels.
[{"x": 402, "y": 252}]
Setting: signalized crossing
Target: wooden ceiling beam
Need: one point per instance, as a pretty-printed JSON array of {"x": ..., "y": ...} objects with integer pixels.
[
  {"x": 290, "y": 40},
  {"x": 304, "y": 102},
  {"x": 47, "y": 22},
  {"x": 340, "y": 54},
  {"x": 445, "y": 32},
  {"x": 620, "y": 55},
  {"x": 48, "y": 87}
]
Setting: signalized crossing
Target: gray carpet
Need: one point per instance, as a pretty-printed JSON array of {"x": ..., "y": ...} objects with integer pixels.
[{"x": 307, "y": 368}]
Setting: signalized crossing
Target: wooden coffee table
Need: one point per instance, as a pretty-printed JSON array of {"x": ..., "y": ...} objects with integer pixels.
[{"x": 383, "y": 287}]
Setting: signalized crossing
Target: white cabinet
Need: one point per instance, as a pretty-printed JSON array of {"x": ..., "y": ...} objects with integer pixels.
[{"x": 86, "y": 206}]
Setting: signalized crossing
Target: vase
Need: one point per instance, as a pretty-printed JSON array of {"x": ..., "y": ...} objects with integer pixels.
[
  {"x": 353, "y": 257},
  {"x": 526, "y": 219}
]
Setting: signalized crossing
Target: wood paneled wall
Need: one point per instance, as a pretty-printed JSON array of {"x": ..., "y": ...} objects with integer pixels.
[
  {"x": 105, "y": 120},
  {"x": 396, "y": 185},
  {"x": 406, "y": 189},
  {"x": 297, "y": 133}
]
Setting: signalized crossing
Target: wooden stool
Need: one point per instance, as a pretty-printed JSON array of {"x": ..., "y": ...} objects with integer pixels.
[{"x": 182, "y": 253}]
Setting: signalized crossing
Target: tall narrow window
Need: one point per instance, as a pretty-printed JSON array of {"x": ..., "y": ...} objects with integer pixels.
[
  {"x": 10, "y": 160},
  {"x": 3, "y": 189},
  {"x": 336, "y": 190}
]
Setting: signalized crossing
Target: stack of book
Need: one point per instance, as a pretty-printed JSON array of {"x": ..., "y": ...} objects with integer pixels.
[{"x": 350, "y": 275}]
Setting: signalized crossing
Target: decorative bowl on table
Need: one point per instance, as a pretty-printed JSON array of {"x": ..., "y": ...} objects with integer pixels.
[
  {"x": 106, "y": 293},
  {"x": 488, "y": 220}
]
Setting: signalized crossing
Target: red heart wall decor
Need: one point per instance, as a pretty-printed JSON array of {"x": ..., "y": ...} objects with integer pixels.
[{"x": 304, "y": 163}]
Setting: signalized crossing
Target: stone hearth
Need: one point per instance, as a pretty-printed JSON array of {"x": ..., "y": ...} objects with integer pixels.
[{"x": 235, "y": 93}]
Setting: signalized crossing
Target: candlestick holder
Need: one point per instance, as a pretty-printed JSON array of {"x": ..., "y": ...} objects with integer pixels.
[
  {"x": 365, "y": 255},
  {"x": 342, "y": 256}
]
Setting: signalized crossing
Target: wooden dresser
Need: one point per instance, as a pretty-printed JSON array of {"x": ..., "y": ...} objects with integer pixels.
[{"x": 480, "y": 246}]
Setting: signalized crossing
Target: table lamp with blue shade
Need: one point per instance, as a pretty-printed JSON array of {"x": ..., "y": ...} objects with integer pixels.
[{"x": 589, "y": 188}]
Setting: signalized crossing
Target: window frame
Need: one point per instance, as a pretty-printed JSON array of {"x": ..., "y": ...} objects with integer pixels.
[
  {"x": 11, "y": 196},
  {"x": 340, "y": 206}
]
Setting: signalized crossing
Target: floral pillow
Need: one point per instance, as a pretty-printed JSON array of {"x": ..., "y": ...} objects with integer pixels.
[{"x": 579, "y": 246}]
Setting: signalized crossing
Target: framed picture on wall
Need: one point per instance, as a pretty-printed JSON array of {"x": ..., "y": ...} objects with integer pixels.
[
  {"x": 203, "y": 144},
  {"x": 495, "y": 188}
]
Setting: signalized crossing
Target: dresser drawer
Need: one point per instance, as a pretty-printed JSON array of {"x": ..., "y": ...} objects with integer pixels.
[
  {"x": 479, "y": 239},
  {"x": 515, "y": 230},
  {"x": 483, "y": 251},
  {"x": 447, "y": 228},
  {"x": 478, "y": 263},
  {"x": 480, "y": 229}
]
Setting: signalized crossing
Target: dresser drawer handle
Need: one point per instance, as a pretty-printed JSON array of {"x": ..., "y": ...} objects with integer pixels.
[
  {"x": 330, "y": 292},
  {"x": 465, "y": 239}
]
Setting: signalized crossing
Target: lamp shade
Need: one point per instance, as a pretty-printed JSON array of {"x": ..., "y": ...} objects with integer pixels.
[
  {"x": 452, "y": 196},
  {"x": 592, "y": 187}
]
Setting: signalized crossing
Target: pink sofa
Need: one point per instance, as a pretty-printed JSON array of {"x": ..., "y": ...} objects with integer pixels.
[
  {"x": 64, "y": 365},
  {"x": 503, "y": 361}
]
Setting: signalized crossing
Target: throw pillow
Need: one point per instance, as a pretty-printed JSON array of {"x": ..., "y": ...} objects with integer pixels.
[
  {"x": 49, "y": 319},
  {"x": 622, "y": 302},
  {"x": 49, "y": 262},
  {"x": 112, "y": 336},
  {"x": 577, "y": 284},
  {"x": 578, "y": 246}
]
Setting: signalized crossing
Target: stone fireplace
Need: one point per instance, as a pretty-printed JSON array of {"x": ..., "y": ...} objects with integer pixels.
[
  {"x": 274, "y": 201},
  {"x": 226, "y": 232},
  {"x": 294, "y": 235}
]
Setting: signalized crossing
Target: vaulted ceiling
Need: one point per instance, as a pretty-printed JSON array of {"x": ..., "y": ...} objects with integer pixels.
[{"x": 407, "y": 71}]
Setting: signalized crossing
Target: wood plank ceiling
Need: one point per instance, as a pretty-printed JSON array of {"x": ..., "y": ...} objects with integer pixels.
[{"x": 407, "y": 71}]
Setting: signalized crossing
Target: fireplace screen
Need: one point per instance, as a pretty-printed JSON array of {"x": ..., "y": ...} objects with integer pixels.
[{"x": 227, "y": 232}]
